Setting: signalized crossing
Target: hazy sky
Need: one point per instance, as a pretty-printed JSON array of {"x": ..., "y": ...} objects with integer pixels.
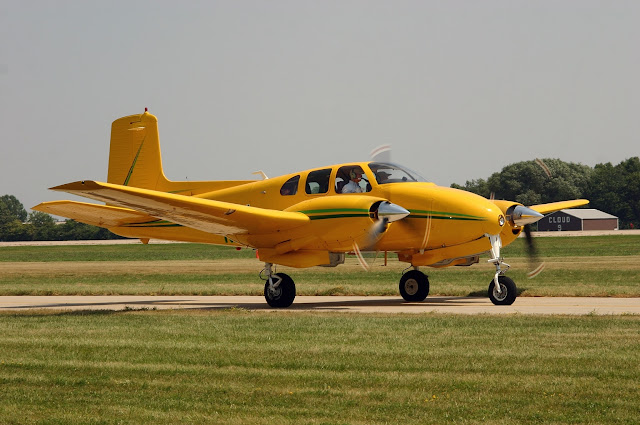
[{"x": 458, "y": 88}]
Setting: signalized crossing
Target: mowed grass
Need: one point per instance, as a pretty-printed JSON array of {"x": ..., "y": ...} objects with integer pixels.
[
  {"x": 575, "y": 266},
  {"x": 237, "y": 367},
  {"x": 286, "y": 367},
  {"x": 615, "y": 245},
  {"x": 608, "y": 266},
  {"x": 121, "y": 252}
]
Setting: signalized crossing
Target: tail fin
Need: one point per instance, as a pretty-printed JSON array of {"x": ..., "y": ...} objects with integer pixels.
[
  {"x": 134, "y": 156},
  {"x": 135, "y": 160}
]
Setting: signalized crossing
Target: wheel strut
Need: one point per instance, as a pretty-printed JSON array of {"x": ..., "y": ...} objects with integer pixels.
[
  {"x": 272, "y": 280},
  {"x": 496, "y": 244}
]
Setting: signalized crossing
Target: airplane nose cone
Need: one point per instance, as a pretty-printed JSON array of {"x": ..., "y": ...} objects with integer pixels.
[
  {"x": 521, "y": 215},
  {"x": 391, "y": 212}
]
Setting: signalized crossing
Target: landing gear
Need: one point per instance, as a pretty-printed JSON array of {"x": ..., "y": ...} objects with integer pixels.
[
  {"x": 414, "y": 286},
  {"x": 279, "y": 289},
  {"x": 507, "y": 292},
  {"x": 502, "y": 289}
]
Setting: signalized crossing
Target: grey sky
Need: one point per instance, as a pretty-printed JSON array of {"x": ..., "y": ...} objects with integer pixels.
[{"x": 458, "y": 88}]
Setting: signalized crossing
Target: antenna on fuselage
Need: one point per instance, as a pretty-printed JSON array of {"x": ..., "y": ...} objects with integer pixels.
[{"x": 262, "y": 174}]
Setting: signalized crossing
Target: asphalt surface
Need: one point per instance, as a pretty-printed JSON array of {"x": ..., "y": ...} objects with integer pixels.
[{"x": 373, "y": 304}]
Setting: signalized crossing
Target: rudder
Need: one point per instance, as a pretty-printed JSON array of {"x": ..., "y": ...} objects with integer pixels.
[{"x": 134, "y": 154}]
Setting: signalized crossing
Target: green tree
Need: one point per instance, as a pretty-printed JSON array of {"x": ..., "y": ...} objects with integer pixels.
[
  {"x": 15, "y": 230},
  {"x": 75, "y": 230},
  {"x": 44, "y": 226},
  {"x": 11, "y": 209},
  {"x": 12, "y": 216},
  {"x": 527, "y": 182},
  {"x": 616, "y": 190}
]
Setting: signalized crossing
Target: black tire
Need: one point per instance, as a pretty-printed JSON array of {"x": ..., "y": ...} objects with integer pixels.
[
  {"x": 414, "y": 286},
  {"x": 284, "y": 295},
  {"x": 508, "y": 289}
]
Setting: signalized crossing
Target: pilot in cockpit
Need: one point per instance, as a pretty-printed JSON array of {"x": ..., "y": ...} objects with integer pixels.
[{"x": 355, "y": 175}]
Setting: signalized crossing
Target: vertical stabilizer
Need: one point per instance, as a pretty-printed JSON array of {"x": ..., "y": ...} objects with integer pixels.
[{"x": 134, "y": 155}]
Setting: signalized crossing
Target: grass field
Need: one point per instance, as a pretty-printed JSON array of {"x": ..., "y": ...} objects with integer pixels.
[
  {"x": 239, "y": 367},
  {"x": 285, "y": 367},
  {"x": 575, "y": 266}
]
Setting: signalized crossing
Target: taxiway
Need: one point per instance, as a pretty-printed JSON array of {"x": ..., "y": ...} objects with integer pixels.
[{"x": 350, "y": 304}]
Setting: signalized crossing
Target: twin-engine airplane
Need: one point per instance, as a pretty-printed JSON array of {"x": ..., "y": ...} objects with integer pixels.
[{"x": 304, "y": 219}]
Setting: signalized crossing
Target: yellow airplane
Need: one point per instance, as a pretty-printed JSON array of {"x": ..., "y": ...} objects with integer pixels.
[{"x": 304, "y": 219}]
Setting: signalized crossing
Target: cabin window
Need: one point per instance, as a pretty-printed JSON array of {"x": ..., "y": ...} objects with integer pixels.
[
  {"x": 290, "y": 187},
  {"x": 318, "y": 181},
  {"x": 393, "y": 173},
  {"x": 352, "y": 179}
]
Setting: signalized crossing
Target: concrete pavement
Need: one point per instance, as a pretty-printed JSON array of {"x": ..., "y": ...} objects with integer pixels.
[{"x": 351, "y": 304}]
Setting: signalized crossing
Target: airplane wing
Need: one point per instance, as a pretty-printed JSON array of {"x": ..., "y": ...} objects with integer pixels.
[
  {"x": 217, "y": 217},
  {"x": 557, "y": 206},
  {"x": 96, "y": 215}
]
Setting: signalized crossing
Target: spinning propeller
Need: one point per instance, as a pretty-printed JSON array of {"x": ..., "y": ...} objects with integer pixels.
[
  {"x": 384, "y": 212},
  {"x": 535, "y": 265},
  {"x": 519, "y": 215}
]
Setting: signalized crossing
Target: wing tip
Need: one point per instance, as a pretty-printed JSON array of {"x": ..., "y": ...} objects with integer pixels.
[{"x": 74, "y": 186}]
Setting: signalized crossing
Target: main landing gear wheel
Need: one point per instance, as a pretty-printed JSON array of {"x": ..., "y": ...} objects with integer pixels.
[
  {"x": 414, "y": 286},
  {"x": 508, "y": 291},
  {"x": 281, "y": 291}
]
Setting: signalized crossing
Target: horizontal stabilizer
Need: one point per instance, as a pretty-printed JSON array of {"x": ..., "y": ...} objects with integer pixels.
[
  {"x": 96, "y": 215},
  {"x": 557, "y": 206},
  {"x": 217, "y": 217}
]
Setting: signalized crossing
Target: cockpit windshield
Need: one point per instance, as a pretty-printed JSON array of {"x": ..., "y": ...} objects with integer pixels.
[{"x": 392, "y": 173}]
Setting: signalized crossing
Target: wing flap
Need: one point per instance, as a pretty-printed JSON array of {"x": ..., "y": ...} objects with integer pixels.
[
  {"x": 217, "y": 217},
  {"x": 96, "y": 215},
  {"x": 557, "y": 206}
]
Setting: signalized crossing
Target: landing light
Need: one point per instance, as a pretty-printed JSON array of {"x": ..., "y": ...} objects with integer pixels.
[{"x": 501, "y": 220}]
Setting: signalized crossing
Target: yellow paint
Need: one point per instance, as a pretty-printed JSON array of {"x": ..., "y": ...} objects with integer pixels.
[
  {"x": 445, "y": 226},
  {"x": 557, "y": 206}
]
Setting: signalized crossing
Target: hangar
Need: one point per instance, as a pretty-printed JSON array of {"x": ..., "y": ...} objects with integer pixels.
[{"x": 579, "y": 219}]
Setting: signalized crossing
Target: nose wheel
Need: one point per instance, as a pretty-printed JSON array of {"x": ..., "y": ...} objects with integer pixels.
[
  {"x": 507, "y": 292},
  {"x": 502, "y": 289}
]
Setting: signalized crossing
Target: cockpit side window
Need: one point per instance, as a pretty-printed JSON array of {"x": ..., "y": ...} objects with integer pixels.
[
  {"x": 392, "y": 173},
  {"x": 352, "y": 179},
  {"x": 318, "y": 181},
  {"x": 290, "y": 187}
]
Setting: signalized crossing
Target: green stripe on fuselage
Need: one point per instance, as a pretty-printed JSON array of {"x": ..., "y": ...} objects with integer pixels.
[
  {"x": 440, "y": 215},
  {"x": 323, "y": 217},
  {"x": 335, "y": 210},
  {"x": 359, "y": 212},
  {"x": 330, "y": 213}
]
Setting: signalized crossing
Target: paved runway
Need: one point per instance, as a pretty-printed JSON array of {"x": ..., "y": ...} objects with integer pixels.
[{"x": 454, "y": 305}]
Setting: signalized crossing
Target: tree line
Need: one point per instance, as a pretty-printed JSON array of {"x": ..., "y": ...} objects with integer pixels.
[
  {"x": 614, "y": 189},
  {"x": 17, "y": 225}
]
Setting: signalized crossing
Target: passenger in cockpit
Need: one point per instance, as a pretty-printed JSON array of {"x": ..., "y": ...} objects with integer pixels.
[{"x": 382, "y": 176}]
